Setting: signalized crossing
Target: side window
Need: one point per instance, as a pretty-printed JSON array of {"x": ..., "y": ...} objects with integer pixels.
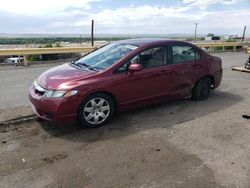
[
  {"x": 182, "y": 54},
  {"x": 153, "y": 57}
]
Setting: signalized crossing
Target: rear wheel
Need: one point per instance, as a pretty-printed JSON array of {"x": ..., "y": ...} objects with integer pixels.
[
  {"x": 96, "y": 110},
  {"x": 202, "y": 89}
]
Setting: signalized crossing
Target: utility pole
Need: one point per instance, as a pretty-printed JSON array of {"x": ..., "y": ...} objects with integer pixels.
[
  {"x": 92, "y": 33},
  {"x": 195, "y": 32},
  {"x": 244, "y": 32}
]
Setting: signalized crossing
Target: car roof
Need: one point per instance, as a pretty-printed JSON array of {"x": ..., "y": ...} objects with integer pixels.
[
  {"x": 13, "y": 58},
  {"x": 145, "y": 41}
]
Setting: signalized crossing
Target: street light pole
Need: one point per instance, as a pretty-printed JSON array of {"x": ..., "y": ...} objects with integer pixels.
[
  {"x": 195, "y": 32},
  {"x": 244, "y": 32}
]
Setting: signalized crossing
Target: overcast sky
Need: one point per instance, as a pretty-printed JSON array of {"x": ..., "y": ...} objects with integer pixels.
[{"x": 124, "y": 16}]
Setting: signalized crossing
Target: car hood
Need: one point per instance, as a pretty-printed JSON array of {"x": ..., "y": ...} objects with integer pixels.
[{"x": 62, "y": 77}]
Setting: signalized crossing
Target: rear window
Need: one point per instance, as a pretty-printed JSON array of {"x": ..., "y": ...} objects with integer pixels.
[{"x": 181, "y": 54}]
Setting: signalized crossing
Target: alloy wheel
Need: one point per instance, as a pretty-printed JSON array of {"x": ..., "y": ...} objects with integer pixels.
[{"x": 96, "y": 111}]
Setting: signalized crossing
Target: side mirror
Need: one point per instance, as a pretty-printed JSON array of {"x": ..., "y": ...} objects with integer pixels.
[{"x": 135, "y": 67}]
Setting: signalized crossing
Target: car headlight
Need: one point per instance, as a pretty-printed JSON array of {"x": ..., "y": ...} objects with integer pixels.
[{"x": 59, "y": 94}]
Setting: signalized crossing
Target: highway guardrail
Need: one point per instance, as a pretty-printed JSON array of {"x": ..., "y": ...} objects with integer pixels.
[
  {"x": 40, "y": 51},
  {"x": 223, "y": 45}
]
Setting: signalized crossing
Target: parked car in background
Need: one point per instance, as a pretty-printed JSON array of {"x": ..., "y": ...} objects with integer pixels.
[
  {"x": 124, "y": 75},
  {"x": 14, "y": 60}
]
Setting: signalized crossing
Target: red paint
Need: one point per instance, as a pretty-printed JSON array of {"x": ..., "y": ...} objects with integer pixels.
[
  {"x": 130, "y": 89},
  {"x": 135, "y": 67}
]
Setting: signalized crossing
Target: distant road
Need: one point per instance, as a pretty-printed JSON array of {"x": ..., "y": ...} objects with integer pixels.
[{"x": 15, "y": 83}]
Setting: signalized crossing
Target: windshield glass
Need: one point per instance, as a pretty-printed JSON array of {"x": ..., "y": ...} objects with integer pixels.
[{"x": 106, "y": 56}]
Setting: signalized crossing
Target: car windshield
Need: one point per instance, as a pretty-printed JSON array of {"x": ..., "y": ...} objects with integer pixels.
[{"x": 106, "y": 56}]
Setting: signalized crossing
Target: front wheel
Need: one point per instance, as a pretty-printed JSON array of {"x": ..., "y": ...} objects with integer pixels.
[
  {"x": 96, "y": 110},
  {"x": 202, "y": 89}
]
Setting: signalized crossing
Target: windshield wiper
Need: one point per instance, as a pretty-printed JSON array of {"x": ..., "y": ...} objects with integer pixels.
[
  {"x": 83, "y": 64},
  {"x": 76, "y": 64},
  {"x": 89, "y": 67}
]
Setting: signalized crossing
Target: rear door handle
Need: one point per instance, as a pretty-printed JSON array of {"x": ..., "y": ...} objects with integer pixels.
[
  {"x": 166, "y": 72},
  {"x": 197, "y": 65}
]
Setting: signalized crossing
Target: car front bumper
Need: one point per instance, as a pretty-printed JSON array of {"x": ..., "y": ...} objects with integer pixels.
[{"x": 58, "y": 110}]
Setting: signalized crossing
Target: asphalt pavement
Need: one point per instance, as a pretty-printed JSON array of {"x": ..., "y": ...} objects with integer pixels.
[{"x": 15, "y": 84}]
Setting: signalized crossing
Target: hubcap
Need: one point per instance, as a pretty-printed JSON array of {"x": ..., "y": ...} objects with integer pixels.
[{"x": 96, "y": 111}]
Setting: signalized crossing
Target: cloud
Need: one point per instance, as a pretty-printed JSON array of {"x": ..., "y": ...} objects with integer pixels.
[
  {"x": 203, "y": 4},
  {"x": 11, "y": 23},
  {"x": 160, "y": 19},
  {"x": 36, "y": 7},
  {"x": 76, "y": 17}
]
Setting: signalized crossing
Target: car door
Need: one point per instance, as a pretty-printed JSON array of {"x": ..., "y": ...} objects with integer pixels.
[
  {"x": 186, "y": 68},
  {"x": 147, "y": 83}
]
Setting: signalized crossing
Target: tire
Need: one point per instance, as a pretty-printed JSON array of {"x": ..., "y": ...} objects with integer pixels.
[
  {"x": 202, "y": 89},
  {"x": 96, "y": 110}
]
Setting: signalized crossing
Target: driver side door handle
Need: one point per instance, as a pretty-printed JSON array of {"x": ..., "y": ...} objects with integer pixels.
[
  {"x": 167, "y": 72},
  {"x": 196, "y": 65}
]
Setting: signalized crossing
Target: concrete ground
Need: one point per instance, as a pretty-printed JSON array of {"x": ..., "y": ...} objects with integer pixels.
[{"x": 178, "y": 144}]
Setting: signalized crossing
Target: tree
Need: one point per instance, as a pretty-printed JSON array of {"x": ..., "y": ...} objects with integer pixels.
[{"x": 210, "y": 35}]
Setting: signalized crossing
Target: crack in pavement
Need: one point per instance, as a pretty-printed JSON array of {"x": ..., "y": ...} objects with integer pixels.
[{"x": 19, "y": 120}]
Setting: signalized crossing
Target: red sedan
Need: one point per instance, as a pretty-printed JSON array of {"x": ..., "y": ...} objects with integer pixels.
[{"x": 124, "y": 75}]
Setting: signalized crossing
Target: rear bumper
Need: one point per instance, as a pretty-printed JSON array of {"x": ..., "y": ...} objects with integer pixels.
[
  {"x": 61, "y": 110},
  {"x": 217, "y": 78}
]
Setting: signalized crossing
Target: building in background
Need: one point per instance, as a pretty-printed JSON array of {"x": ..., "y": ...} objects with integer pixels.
[{"x": 212, "y": 37}]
